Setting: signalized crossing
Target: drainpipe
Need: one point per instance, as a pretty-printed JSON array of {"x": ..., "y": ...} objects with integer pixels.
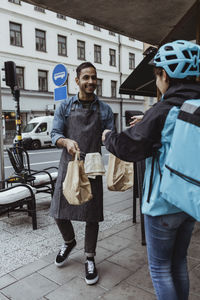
[{"x": 120, "y": 81}]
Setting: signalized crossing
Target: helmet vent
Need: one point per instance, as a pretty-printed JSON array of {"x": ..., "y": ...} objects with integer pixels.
[
  {"x": 173, "y": 67},
  {"x": 169, "y": 48},
  {"x": 193, "y": 68},
  {"x": 194, "y": 52},
  {"x": 170, "y": 57},
  {"x": 186, "y": 54},
  {"x": 185, "y": 67},
  {"x": 157, "y": 59}
]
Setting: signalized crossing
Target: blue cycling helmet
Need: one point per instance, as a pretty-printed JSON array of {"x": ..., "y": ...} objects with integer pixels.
[{"x": 179, "y": 59}]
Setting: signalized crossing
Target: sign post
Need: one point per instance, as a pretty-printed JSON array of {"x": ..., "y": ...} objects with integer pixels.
[{"x": 59, "y": 77}]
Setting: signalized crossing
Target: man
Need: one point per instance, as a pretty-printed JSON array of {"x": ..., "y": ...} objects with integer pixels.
[{"x": 78, "y": 125}]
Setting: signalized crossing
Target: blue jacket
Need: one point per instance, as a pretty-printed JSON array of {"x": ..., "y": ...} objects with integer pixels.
[{"x": 150, "y": 140}]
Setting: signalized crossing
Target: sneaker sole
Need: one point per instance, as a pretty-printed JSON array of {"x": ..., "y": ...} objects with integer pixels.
[
  {"x": 92, "y": 281},
  {"x": 62, "y": 263}
]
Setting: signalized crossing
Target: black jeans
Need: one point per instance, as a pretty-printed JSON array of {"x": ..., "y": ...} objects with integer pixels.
[{"x": 91, "y": 234}]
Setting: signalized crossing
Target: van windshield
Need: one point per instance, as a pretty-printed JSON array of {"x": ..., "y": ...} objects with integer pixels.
[{"x": 29, "y": 127}]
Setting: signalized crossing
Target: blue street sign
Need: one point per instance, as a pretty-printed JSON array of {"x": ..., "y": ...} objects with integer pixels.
[
  {"x": 59, "y": 75},
  {"x": 60, "y": 93}
]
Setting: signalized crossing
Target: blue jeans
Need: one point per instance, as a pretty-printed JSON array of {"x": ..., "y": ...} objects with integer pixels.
[{"x": 168, "y": 238}]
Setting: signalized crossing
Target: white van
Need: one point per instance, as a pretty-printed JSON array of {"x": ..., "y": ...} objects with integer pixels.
[{"x": 36, "y": 133}]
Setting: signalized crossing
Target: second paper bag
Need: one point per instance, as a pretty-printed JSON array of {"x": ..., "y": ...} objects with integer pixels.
[{"x": 119, "y": 174}]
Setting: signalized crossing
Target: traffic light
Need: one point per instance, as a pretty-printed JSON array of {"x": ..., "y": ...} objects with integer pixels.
[{"x": 10, "y": 74}]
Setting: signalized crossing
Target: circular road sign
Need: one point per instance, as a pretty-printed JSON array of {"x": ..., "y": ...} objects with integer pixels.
[{"x": 59, "y": 75}]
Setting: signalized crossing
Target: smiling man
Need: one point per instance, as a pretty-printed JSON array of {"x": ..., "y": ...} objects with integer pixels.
[{"x": 78, "y": 125}]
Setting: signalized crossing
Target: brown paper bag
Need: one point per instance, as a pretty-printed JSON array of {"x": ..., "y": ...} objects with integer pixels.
[
  {"x": 76, "y": 186},
  {"x": 119, "y": 174}
]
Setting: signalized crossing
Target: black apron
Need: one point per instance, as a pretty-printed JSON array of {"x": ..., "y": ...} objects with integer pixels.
[{"x": 83, "y": 126}]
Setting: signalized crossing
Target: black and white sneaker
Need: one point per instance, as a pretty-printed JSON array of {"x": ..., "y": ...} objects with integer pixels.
[
  {"x": 64, "y": 252},
  {"x": 91, "y": 274}
]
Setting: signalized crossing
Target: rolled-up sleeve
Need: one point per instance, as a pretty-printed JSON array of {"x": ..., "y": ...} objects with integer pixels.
[{"x": 58, "y": 124}]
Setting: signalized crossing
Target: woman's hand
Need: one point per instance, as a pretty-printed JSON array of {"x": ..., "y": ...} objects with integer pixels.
[
  {"x": 104, "y": 134},
  {"x": 135, "y": 119}
]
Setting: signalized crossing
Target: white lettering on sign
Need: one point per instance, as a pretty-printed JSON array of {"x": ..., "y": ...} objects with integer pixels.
[{"x": 59, "y": 75}]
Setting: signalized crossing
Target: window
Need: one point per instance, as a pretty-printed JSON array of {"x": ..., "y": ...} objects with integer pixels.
[
  {"x": 15, "y": 1},
  {"x": 59, "y": 16},
  {"x": 15, "y": 34},
  {"x": 40, "y": 9},
  {"x": 20, "y": 77},
  {"x": 111, "y": 33},
  {"x": 80, "y": 22},
  {"x": 42, "y": 80},
  {"x": 112, "y": 57},
  {"x": 99, "y": 87},
  {"x": 81, "y": 50},
  {"x": 131, "y": 61},
  {"x": 40, "y": 36},
  {"x": 97, "y": 28},
  {"x": 113, "y": 88},
  {"x": 41, "y": 128},
  {"x": 97, "y": 54},
  {"x": 62, "y": 45}
]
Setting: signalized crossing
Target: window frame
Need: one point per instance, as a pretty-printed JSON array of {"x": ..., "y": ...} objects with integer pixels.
[
  {"x": 20, "y": 75},
  {"x": 99, "y": 87},
  {"x": 79, "y": 22},
  {"x": 112, "y": 61},
  {"x": 15, "y": 37},
  {"x": 97, "y": 54},
  {"x": 14, "y": 2},
  {"x": 38, "y": 39},
  {"x": 39, "y": 80},
  {"x": 131, "y": 61},
  {"x": 80, "y": 49},
  {"x": 113, "y": 95},
  {"x": 62, "y": 43}
]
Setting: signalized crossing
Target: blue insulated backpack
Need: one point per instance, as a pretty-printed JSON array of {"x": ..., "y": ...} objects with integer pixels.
[{"x": 180, "y": 182}]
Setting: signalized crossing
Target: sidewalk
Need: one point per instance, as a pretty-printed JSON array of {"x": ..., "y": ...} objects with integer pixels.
[{"x": 27, "y": 270}]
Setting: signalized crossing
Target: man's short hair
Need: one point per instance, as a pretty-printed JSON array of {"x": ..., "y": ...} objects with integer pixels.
[{"x": 84, "y": 66}]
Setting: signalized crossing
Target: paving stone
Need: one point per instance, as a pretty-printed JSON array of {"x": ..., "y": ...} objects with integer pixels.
[
  {"x": 125, "y": 291},
  {"x": 194, "y": 297},
  {"x": 129, "y": 258},
  {"x": 141, "y": 279},
  {"x": 111, "y": 274},
  {"x": 76, "y": 289},
  {"x": 6, "y": 280},
  {"x": 194, "y": 276},
  {"x": 114, "y": 229},
  {"x": 2, "y": 297},
  {"x": 192, "y": 263},
  {"x": 32, "y": 287},
  {"x": 194, "y": 250},
  {"x": 101, "y": 254},
  {"x": 63, "y": 274},
  {"x": 29, "y": 269},
  {"x": 114, "y": 243}
]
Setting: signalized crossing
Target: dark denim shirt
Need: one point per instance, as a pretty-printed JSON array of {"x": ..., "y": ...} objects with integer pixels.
[{"x": 63, "y": 111}]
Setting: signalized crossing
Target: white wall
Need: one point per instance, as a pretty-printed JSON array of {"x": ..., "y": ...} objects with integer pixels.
[{"x": 32, "y": 60}]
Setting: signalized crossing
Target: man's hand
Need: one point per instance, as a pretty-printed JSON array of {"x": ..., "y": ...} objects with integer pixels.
[
  {"x": 104, "y": 134},
  {"x": 71, "y": 145},
  {"x": 135, "y": 119}
]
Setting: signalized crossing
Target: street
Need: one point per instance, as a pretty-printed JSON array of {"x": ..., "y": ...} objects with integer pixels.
[{"x": 44, "y": 158}]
